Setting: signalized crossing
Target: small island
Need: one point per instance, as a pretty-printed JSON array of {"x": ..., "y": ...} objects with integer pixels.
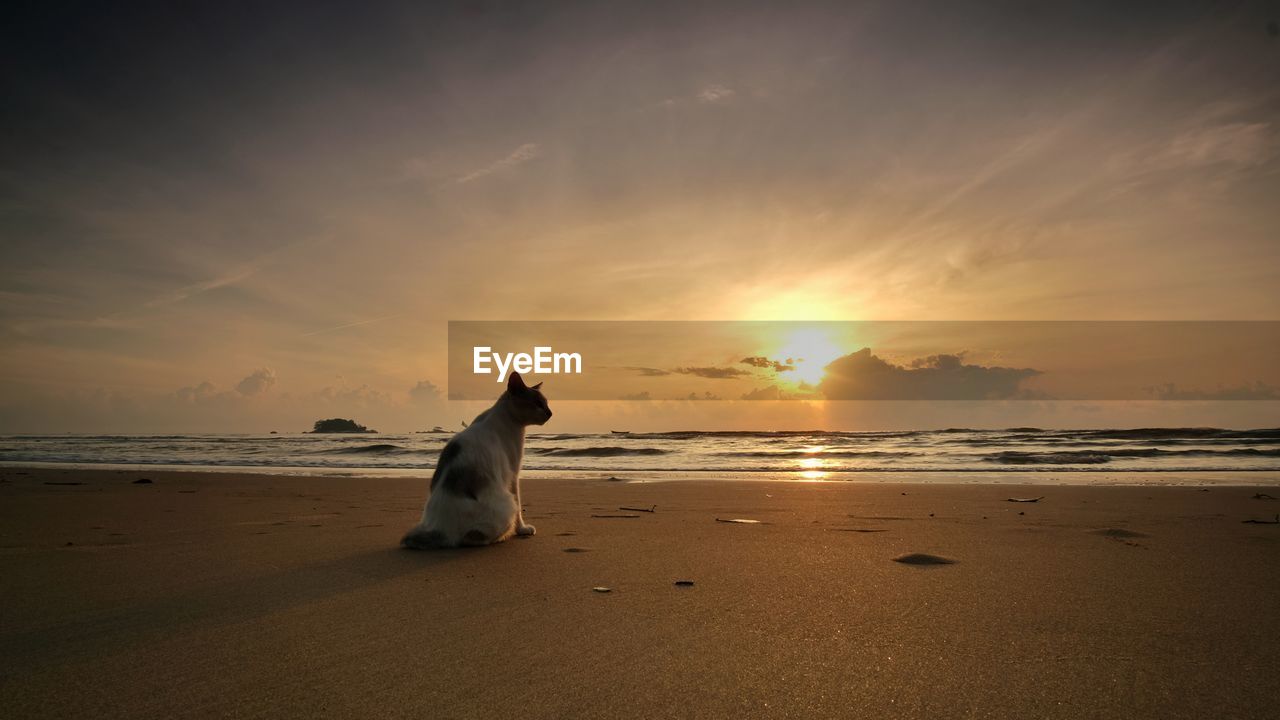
[{"x": 340, "y": 425}]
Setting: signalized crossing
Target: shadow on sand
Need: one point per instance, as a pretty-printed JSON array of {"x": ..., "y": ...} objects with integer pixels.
[{"x": 217, "y": 603}]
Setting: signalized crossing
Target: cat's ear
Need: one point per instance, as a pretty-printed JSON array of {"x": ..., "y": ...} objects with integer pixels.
[
  {"x": 535, "y": 387},
  {"x": 515, "y": 383}
]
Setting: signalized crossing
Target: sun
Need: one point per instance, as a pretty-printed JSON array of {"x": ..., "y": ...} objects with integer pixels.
[{"x": 809, "y": 349}]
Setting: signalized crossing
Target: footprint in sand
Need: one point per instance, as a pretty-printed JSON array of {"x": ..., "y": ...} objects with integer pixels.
[{"x": 1121, "y": 535}]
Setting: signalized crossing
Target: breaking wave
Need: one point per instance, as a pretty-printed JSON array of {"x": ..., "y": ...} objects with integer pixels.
[{"x": 606, "y": 451}]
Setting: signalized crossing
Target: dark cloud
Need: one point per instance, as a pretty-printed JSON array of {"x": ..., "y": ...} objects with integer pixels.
[
  {"x": 771, "y": 392},
  {"x": 713, "y": 373},
  {"x": 761, "y": 361},
  {"x": 802, "y": 391},
  {"x": 863, "y": 376},
  {"x": 258, "y": 382},
  {"x": 649, "y": 372},
  {"x": 1257, "y": 391}
]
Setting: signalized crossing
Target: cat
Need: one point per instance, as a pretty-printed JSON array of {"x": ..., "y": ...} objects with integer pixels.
[{"x": 475, "y": 490}]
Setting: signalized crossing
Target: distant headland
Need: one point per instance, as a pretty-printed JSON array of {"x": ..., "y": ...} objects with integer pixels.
[{"x": 340, "y": 425}]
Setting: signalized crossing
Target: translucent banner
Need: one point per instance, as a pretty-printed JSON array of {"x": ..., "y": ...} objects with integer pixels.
[{"x": 869, "y": 360}]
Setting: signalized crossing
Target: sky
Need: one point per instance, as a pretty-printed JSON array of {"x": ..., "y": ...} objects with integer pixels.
[{"x": 230, "y": 217}]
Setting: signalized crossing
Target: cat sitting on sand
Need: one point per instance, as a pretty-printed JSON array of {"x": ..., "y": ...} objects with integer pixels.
[{"x": 475, "y": 491}]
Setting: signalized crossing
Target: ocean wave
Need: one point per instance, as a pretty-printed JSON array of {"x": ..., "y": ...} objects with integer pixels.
[
  {"x": 793, "y": 471},
  {"x": 1194, "y": 452},
  {"x": 1105, "y": 455},
  {"x": 819, "y": 454},
  {"x": 375, "y": 449},
  {"x": 72, "y": 437},
  {"x": 778, "y": 434},
  {"x": 1016, "y": 457},
  {"x": 560, "y": 436},
  {"x": 608, "y": 451},
  {"x": 1179, "y": 433}
]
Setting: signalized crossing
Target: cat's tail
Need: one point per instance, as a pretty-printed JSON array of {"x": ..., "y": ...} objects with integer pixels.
[{"x": 420, "y": 538}]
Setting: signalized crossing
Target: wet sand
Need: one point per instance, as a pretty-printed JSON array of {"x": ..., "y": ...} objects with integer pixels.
[{"x": 231, "y": 595}]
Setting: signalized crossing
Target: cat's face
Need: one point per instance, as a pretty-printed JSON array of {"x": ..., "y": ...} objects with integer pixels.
[{"x": 529, "y": 404}]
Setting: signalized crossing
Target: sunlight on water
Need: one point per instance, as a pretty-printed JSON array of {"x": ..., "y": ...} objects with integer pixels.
[
  {"x": 811, "y": 469},
  {"x": 799, "y": 456}
]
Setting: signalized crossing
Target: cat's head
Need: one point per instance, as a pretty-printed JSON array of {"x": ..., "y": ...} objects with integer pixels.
[{"x": 528, "y": 403}]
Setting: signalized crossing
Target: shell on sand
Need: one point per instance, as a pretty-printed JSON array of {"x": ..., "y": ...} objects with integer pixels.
[{"x": 923, "y": 559}]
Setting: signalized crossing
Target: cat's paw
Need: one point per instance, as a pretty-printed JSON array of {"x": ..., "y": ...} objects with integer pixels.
[{"x": 526, "y": 530}]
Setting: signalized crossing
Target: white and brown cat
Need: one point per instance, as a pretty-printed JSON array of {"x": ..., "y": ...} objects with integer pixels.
[{"x": 475, "y": 491}]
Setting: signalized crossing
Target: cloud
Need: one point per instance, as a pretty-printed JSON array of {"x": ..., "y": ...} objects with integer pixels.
[
  {"x": 363, "y": 396},
  {"x": 714, "y": 373},
  {"x": 182, "y": 293},
  {"x": 765, "y": 393},
  {"x": 200, "y": 394},
  {"x": 1223, "y": 148},
  {"x": 715, "y": 93},
  {"x": 1257, "y": 391},
  {"x": 1242, "y": 144},
  {"x": 206, "y": 393},
  {"x": 648, "y": 371},
  {"x": 520, "y": 155},
  {"x": 802, "y": 391},
  {"x": 763, "y": 362},
  {"x": 424, "y": 392},
  {"x": 258, "y": 382},
  {"x": 771, "y": 392},
  {"x": 709, "y": 95},
  {"x": 863, "y": 376},
  {"x": 344, "y": 326}
]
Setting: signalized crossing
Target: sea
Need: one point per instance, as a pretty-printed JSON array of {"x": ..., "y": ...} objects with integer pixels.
[{"x": 1012, "y": 455}]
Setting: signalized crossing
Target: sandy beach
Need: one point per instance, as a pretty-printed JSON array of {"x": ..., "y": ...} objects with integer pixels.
[{"x": 203, "y": 594}]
